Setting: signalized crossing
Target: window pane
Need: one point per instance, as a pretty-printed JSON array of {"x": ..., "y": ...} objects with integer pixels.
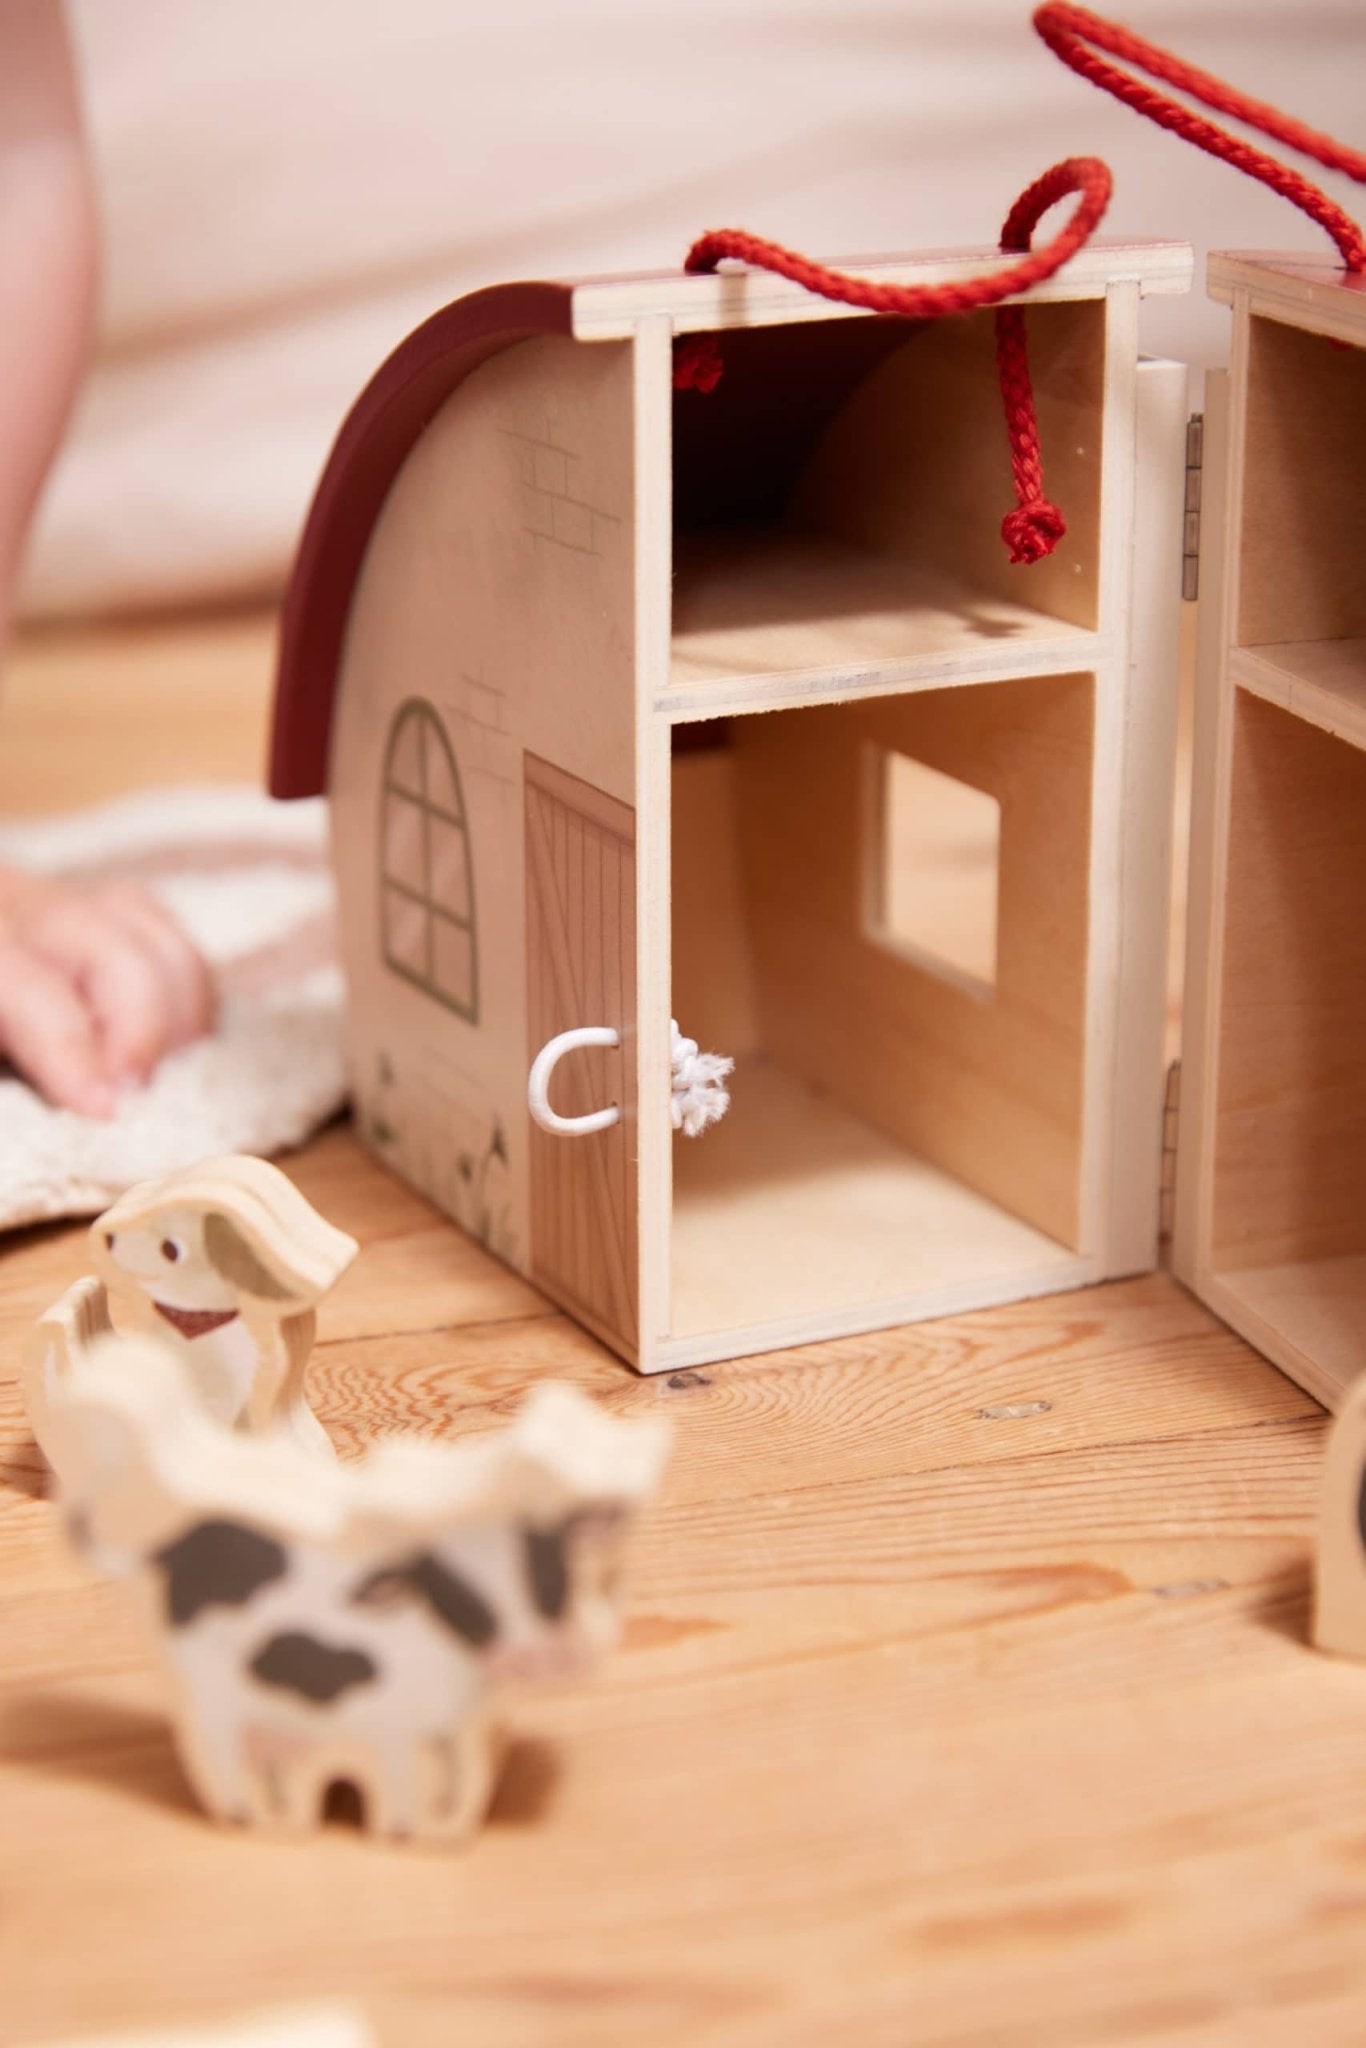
[
  {"x": 440, "y": 775},
  {"x": 450, "y": 867},
  {"x": 404, "y": 856},
  {"x": 454, "y": 963},
  {"x": 405, "y": 933},
  {"x": 427, "y": 893}
]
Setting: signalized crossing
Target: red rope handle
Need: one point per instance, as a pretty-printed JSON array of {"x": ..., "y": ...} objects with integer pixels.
[
  {"x": 1035, "y": 526},
  {"x": 1085, "y": 175},
  {"x": 1069, "y": 30}
]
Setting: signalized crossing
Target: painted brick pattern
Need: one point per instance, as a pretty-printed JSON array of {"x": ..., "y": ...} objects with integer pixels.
[
  {"x": 555, "y": 509},
  {"x": 478, "y": 715}
]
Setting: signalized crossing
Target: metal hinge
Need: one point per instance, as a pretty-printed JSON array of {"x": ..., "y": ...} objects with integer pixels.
[
  {"x": 1171, "y": 1123},
  {"x": 1190, "y": 527}
]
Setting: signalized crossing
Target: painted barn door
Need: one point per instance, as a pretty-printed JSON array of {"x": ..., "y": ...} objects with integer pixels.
[{"x": 581, "y": 887}]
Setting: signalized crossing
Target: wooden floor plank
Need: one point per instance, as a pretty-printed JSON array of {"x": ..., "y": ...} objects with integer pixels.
[
  {"x": 965, "y": 1673},
  {"x": 965, "y": 1700}
]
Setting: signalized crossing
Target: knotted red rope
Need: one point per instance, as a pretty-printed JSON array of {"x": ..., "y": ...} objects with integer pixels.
[
  {"x": 1035, "y": 526},
  {"x": 1069, "y": 30}
]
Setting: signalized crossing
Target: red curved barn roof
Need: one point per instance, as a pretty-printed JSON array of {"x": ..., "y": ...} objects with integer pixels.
[
  {"x": 410, "y": 388},
  {"x": 382, "y": 427}
]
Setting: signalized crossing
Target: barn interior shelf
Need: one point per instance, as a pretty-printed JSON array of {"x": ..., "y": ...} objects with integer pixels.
[
  {"x": 1301, "y": 614},
  {"x": 1322, "y": 681},
  {"x": 837, "y": 502},
  {"x": 755, "y": 603}
]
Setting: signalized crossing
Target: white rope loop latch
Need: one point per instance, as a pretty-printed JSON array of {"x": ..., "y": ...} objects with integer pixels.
[
  {"x": 544, "y": 1065},
  {"x": 698, "y": 1096}
]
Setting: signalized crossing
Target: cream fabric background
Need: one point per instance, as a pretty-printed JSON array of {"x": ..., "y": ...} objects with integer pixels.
[{"x": 289, "y": 185}]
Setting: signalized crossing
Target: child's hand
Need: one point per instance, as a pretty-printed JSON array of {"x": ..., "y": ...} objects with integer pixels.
[{"x": 97, "y": 982}]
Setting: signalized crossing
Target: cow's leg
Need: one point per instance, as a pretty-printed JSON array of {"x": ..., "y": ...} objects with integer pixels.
[
  {"x": 297, "y": 1789},
  {"x": 390, "y": 1790},
  {"x": 210, "y": 1742},
  {"x": 281, "y": 1777},
  {"x": 217, "y": 1780},
  {"x": 463, "y": 1766}
]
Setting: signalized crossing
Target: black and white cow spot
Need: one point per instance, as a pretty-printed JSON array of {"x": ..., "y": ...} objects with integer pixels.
[
  {"x": 457, "y": 1604},
  {"x": 547, "y": 1569},
  {"x": 315, "y": 1670},
  {"x": 217, "y": 1564}
]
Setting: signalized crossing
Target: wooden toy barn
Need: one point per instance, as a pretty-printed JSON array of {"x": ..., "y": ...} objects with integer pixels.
[
  {"x": 638, "y": 704},
  {"x": 1271, "y": 1160}
]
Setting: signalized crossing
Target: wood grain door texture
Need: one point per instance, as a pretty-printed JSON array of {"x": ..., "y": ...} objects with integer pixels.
[{"x": 581, "y": 887}]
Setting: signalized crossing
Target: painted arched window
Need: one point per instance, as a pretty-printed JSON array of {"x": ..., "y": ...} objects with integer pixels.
[{"x": 426, "y": 875}]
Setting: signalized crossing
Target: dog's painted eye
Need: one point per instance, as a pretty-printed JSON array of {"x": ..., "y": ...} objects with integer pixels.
[{"x": 172, "y": 1249}]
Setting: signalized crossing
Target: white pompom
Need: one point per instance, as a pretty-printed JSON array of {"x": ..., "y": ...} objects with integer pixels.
[{"x": 699, "y": 1094}]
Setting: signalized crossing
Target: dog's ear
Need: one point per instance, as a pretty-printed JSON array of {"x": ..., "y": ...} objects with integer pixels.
[{"x": 234, "y": 1260}]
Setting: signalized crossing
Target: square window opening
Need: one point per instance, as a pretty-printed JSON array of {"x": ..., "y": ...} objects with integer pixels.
[
  {"x": 892, "y": 1136},
  {"x": 933, "y": 883}
]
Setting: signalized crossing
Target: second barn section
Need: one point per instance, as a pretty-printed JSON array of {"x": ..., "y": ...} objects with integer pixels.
[{"x": 637, "y": 703}]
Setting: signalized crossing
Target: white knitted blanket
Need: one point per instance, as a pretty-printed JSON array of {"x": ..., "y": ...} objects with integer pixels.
[{"x": 249, "y": 880}]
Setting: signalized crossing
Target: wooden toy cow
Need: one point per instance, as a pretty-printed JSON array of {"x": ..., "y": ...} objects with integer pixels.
[
  {"x": 323, "y": 1623},
  {"x": 224, "y": 1263}
]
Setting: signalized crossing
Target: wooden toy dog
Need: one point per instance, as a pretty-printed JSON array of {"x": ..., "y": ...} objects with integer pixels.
[
  {"x": 325, "y": 1623},
  {"x": 224, "y": 1263}
]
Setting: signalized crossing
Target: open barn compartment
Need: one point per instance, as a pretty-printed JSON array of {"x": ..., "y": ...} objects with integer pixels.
[
  {"x": 1302, "y": 570},
  {"x": 537, "y": 553},
  {"x": 1270, "y": 1214},
  {"x": 881, "y": 910},
  {"x": 1287, "y": 1204},
  {"x": 837, "y": 498}
]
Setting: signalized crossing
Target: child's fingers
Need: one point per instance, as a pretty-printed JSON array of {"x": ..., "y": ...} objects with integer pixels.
[
  {"x": 110, "y": 972},
  {"x": 187, "y": 986},
  {"x": 48, "y": 1033},
  {"x": 120, "y": 979}
]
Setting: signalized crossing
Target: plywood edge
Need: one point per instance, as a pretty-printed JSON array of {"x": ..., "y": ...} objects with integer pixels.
[
  {"x": 1208, "y": 842},
  {"x": 609, "y": 308},
  {"x": 674, "y": 1354},
  {"x": 1335, "y": 712},
  {"x": 1114, "y": 713},
  {"x": 1134, "y": 1192},
  {"x": 653, "y": 465},
  {"x": 1311, "y": 292},
  {"x": 1220, "y": 1293},
  {"x": 1075, "y": 651}
]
